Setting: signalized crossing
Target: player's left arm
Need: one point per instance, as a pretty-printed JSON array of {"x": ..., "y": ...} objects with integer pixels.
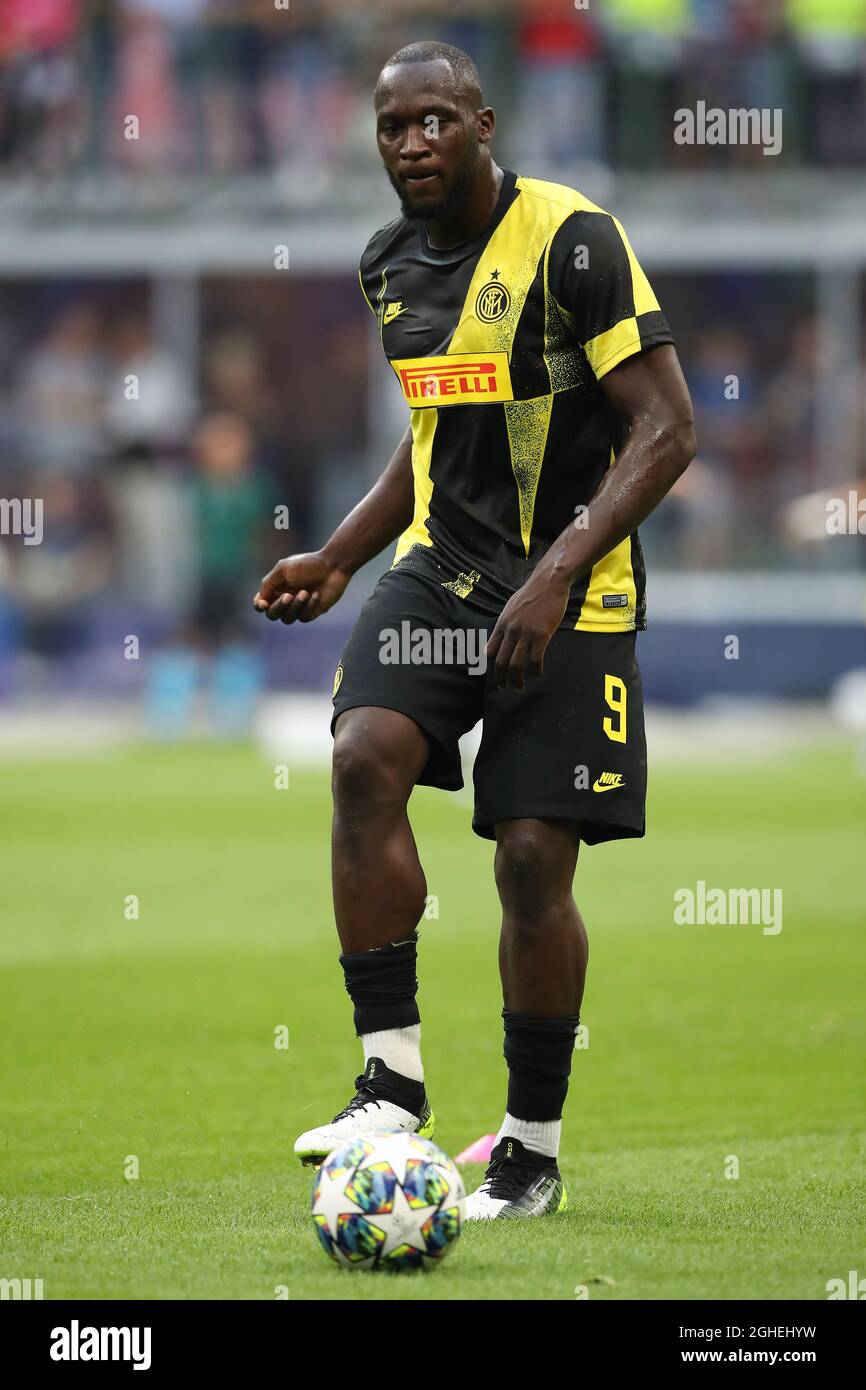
[{"x": 649, "y": 392}]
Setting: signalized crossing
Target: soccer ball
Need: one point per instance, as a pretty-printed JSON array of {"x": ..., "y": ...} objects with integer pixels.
[{"x": 390, "y": 1201}]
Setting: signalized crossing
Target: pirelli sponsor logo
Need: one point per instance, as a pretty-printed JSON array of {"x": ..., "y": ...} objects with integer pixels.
[{"x": 466, "y": 378}]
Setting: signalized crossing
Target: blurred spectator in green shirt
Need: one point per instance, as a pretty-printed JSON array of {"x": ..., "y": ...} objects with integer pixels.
[
  {"x": 230, "y": 509},
  {"x": 831, "y": 37},
  {"x": 647, "y": 42}
]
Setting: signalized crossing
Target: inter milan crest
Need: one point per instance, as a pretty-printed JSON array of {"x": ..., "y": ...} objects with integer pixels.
[{"x": 493, "y": 300}]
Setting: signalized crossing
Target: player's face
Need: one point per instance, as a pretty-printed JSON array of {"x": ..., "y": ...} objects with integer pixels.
[{"x": 429, "y": 140}]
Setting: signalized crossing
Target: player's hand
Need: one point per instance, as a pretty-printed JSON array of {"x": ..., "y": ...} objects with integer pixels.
[
  {"x": 524, "y": 629},
  {"x": 300, "y": 588}
]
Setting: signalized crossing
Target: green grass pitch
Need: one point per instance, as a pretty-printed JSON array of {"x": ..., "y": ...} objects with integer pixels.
[{"x": 153, "y": 1038}]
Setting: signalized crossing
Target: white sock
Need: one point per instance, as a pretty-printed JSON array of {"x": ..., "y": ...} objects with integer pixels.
[
  {"x": 399, "y": 1049},
  {"x": 542, "y": 1136}
]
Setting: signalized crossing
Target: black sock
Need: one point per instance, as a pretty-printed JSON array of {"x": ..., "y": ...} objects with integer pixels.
[
  {"x": 538, "y": 1052},
  {"x": 382, "y": 985}
]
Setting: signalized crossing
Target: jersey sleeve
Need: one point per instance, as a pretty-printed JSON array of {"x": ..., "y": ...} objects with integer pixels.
[
  {"x": 602, "y": 292},
  {"x": 364, "y": 288}
]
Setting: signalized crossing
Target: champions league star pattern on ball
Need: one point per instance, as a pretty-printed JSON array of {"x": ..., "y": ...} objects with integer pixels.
[{"x": 392, "y": 1201}]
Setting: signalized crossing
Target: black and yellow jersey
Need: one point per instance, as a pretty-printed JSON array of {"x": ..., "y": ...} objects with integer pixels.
[{"x": 499, "y": 346}]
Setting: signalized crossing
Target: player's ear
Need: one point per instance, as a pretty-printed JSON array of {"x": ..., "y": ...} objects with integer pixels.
[{"x": 486, "y": 124}]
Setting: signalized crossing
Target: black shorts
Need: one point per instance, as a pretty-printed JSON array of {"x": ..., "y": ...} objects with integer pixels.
[{"x": 570, "y": 746}]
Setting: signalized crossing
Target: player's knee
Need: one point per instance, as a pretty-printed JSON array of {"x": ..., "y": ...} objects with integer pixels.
[
  {"x": 362, "y": 770},
  {"x": 529, "y": 869}
]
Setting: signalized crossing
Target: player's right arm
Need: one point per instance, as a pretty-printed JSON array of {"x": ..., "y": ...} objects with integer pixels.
[{"x": 302, "y": 587}]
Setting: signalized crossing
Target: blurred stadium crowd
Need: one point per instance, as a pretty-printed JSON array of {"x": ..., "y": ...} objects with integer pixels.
[
  {"x": 164, "y": 493},
  {"x": 162, "y": 498},
  {"x": 226, "y": 85},
  {"x": 166, "y": 497}
]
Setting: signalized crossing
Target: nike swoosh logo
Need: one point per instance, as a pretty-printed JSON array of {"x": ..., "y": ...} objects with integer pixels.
[
  {"x": 389, "y": 317},
  {"x": 614, "y": 787}
]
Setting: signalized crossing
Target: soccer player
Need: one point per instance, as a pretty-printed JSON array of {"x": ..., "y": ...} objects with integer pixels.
[{"x": 548, "y": 417}]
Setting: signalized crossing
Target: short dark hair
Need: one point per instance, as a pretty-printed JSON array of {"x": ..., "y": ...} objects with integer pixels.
[{"x": 466, "y": 75}]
